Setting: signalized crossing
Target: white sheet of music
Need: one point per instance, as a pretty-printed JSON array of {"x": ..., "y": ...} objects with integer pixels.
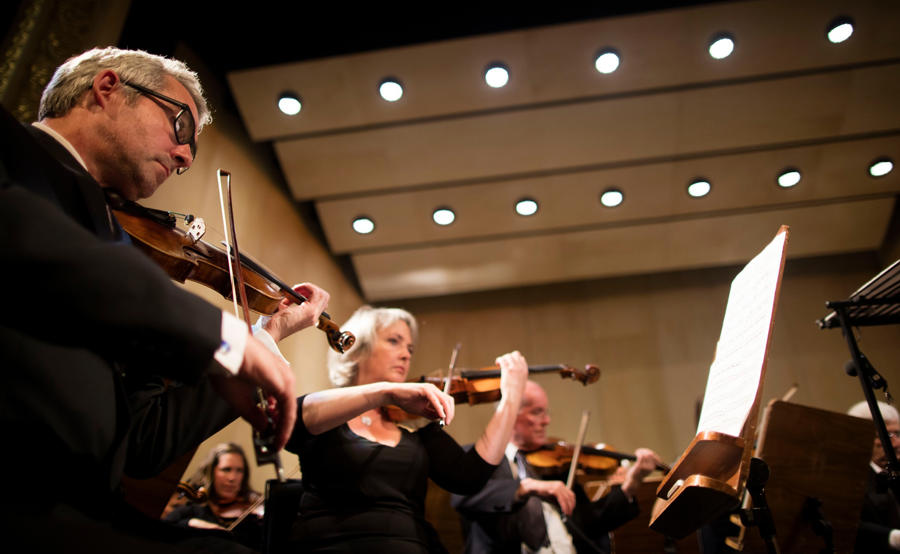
[{"x": 735, "y": 374}]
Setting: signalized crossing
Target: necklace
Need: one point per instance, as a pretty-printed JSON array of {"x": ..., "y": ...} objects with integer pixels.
[{"x": 366, "y": 420}]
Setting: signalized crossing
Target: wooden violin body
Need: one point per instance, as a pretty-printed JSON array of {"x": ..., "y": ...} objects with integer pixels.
[
  {"x": 555, "y": 457},
  {"x": 187, "y": 258}
]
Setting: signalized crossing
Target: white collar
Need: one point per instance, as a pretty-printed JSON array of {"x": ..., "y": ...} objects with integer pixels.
[
  {"x": 62, "y": 140},
  {"x": 511, "y": 451}
]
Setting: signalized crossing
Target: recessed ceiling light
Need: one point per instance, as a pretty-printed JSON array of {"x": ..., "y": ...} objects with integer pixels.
[
  {"x": 839, "y": 29},
  {"x": 363, "y": 225},
  {"x": 443, "y": 216},
  {"x": 612, "y": 198},
  {"x": 788, "y": 178},
  {"x": 390, "y": 89},
  {"x": 881, "y": 167},
  {"x": 721, "y": 46},
  {"x": 607, "y": 61},
  {"x": 496, "y": 75},
  {"x": 526, "y": 206},
  {"x": 289, "y": 103},
  {"x": 699, "y": 188}
]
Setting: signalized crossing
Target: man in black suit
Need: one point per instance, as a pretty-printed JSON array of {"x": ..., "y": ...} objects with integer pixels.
[
  {"x": 91, "y": 326},
  {"x": 516, "y": 512},
  {"x": 879, "y": 526}
]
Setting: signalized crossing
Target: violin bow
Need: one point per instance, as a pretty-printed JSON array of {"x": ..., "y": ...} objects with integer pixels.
[
  {"x": 450, "y": 371},
  {"x": 582, "y": 430},
  {"x": 262, "y": 445}
]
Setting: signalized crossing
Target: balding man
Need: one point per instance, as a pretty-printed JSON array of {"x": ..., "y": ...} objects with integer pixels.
[
  {"x": 91, "y": 327},
  {"x": 516, "y": 512},
  {"x": 879, "y": 527}
]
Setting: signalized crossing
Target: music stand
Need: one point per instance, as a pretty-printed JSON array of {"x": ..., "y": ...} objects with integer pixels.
[
  {"x": 819, "y": 470},
  {"x": 709, "y": 478},
  {"x": 875, "y": 303}
]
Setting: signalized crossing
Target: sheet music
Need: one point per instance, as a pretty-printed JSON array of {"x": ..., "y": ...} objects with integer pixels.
[{"x": 734, "y": 376}]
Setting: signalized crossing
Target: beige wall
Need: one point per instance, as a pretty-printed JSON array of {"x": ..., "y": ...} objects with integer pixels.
[{"x": 653, "y": 338}]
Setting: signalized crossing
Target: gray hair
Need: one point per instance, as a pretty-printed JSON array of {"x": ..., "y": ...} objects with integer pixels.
[
  {"x": 365, "y": 324},
  {"x": 76, "y": 75},
  {"x": 861, "y": 409}
]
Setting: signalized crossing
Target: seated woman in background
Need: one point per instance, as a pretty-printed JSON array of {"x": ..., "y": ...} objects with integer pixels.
[
  {"x": 364, "y": 477},
  {"x": 225, "y": 480}
]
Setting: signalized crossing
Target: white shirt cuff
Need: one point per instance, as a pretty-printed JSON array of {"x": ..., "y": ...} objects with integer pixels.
[
  {"x": 894, "y": 539},
  {"x": 264, "y": 337},
  {"x": 230, "y": 353}
]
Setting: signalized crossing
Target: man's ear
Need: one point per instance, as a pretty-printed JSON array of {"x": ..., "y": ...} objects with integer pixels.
[{"x": 105, "y": 84}]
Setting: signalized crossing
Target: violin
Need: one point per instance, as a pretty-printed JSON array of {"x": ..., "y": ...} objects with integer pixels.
[
  {"x": 555, "y": 458},
  {"x": 187, "y": 490},
  {"x": 483, "y": 385},
  {"x": 185, "y": 257}
]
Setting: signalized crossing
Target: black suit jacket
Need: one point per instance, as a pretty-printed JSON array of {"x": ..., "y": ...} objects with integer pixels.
[
  {"x": 880, "y": 514},
  {"x": 89, "y": 328},
  {"x": 493, "y": 520}
]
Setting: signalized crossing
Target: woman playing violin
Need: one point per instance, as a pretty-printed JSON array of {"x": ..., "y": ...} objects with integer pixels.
[
  {"x": 364, "y": 477},
  {"x": 225, "y": 478}
]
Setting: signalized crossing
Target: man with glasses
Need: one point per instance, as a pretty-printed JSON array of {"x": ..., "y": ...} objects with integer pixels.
[
  {"x": 879, "y": 527},
  {"x": 86, "y": 352},
  {"x": 519, "y": 512}
]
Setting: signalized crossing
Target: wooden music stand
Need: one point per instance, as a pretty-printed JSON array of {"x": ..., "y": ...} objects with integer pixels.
[
  {"x": 709, "y": 478},
  {"x": 634, "y": 537},
  {"x": 818, "y": 459}
]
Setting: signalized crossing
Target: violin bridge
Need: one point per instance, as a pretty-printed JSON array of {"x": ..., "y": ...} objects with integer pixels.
[{"x": 196, "y": 229}]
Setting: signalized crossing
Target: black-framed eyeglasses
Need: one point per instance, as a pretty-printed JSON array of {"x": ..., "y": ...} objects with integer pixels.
[{"x": 185, "y": 127}]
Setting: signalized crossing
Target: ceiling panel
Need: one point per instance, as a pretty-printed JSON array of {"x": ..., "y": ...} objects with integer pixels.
[
  {"x": 598, "y": 133},
  {"x": 664, "y": 50},
  {"x": 653, "y": 191},
  {"x": 491, "y": 264}
]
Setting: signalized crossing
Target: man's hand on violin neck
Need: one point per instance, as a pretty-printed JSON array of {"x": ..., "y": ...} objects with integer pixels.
[{"x": 292, "y": 317}]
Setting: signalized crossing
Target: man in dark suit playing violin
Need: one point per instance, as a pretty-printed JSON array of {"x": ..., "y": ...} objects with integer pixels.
[
  {"x": 102, "y": 322},
  {"x": 517, "y": 512}
]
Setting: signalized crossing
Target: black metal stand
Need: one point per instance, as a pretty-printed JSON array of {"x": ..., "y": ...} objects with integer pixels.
[
  {"x": 875, "y": 303},
  {"x": 812, "y": 511},
  {"x": 759, "y": 515}
]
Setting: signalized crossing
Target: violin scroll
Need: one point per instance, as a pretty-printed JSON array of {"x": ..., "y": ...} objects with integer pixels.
[
  {"x": 590, "y": 374},
  {"x": 195, "y": 494},
  {"x": 340, "y": 341}
]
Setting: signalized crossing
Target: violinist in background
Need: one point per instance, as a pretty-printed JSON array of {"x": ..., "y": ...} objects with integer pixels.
[
  {"x": 224, "y": 480},
  {"x": 104, "y": 322},
  {"x": 879, "y": 526},
  {"x": 365, "y": 478},
  {"x": 517, "y": 512}
]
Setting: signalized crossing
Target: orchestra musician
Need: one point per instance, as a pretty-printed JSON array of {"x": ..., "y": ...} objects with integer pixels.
[
  {"x": 879, "y": 527},
  {"x": 518, "y": 512},
  {"x": 224, "y": 479},
  {"x": 85, "y": 351},
  {"x": 364, "y": 477}
]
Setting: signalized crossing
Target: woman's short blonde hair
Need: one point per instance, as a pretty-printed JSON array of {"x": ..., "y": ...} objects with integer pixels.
[{"x": 365, "y": 324}]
